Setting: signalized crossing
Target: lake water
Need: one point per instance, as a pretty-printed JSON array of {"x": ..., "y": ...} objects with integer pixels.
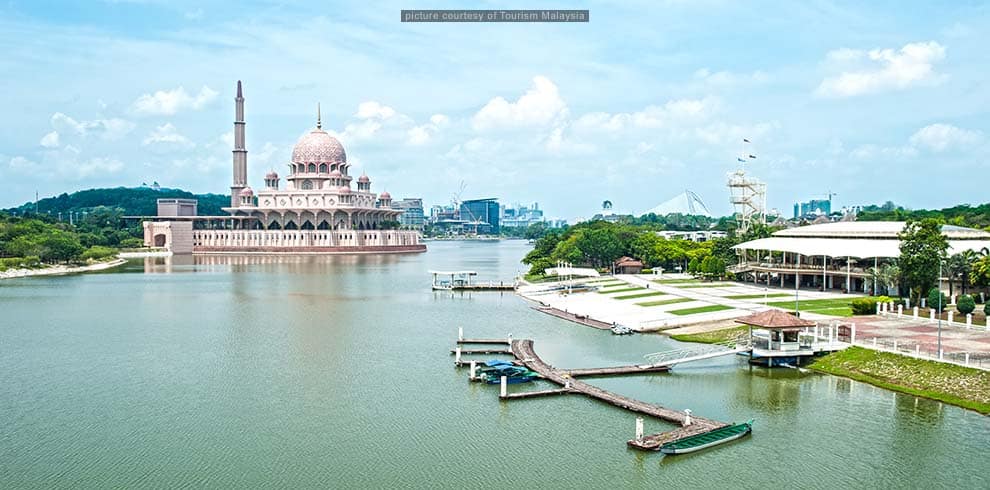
[{"x": 335, "y": 372}]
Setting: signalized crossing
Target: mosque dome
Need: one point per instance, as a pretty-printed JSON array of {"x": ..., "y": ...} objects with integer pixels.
[
  {"x": 336, "y": 173},
  {"x": 385, "y": 196},
  {"x": 344, "y": 190},
  {"x": 271, "y": 175},
  {"x": 317, "y": 146},
  {"x": 363, "y": 179},
  {"x": 247, "y": 192}
]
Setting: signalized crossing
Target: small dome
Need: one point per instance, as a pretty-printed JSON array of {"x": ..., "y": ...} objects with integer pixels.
[
  {"x": 363, "y": 179},
  {"x": 247, "y": 192},
  {"x": 271, "y": 175},
  {"x": 317, "y": 146},
  {"x": 336, "y": 173},
  {"x": 385, "y": 196},
  {"x": 344, "y": 190}
]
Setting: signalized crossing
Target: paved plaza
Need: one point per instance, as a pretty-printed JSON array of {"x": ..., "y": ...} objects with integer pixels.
[{"x": 921, "y": 336}]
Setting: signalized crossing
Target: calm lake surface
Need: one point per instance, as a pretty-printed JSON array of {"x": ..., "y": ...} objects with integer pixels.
[{"x": 335, "y": 372}]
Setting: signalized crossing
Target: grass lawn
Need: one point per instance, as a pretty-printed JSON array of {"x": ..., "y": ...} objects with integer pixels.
[
  {"x": 705, "y": 285},
  {"x": 622, "y": 290},
  {"x": 675, "y": 281},
  {"x": 640, "y": 295},
  {"x": 714, "y": 336},
  {"x": 834, "y": 307},
  {"x": 537, "y": 278},
  {"x": 756, "y": 296},
  {"x": 699, "y": 309},
  {"x": 962, "y": 386},
  {"x": 604, "y": 279},
  {"x": 662, "y": 302}
]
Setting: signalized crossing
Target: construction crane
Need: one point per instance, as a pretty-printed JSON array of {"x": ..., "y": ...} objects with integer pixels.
[{"x": 470, "y": 219}]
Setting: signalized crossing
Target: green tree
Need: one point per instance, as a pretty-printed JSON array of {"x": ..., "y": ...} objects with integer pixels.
[
  {"x": 965, "y": 304},
  {"x": 958, "y": 267},
  {"x": 923, "y": 248},
  {"x": 60, "y": 246},
  {"x": 885, "y": 277},
  {"x": 693, "y": 266},
  {"x": 600, "y": 246},
  {"x": 936, "y": 300}
]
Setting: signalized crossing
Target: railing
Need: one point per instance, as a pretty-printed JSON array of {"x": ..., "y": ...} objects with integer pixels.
[
  {"x": 666, "y": 357},
  {"x": 911, "y": 348}
]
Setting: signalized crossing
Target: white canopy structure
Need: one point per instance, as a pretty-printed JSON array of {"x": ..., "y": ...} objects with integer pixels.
[
  {"x": 824, "y": 255},
  {"x": 859, "y": 239}
]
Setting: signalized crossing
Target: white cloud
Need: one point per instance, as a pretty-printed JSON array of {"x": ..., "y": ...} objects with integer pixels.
[
  {"x": 98, "y": 165},
  {"x": 169, "y": 102},
  {"x": 419, "y": 135},
  {"x": 726, "y": 78},
  {"x": 265, "y": 154},
  {"x": 941, "y": 137},
  {"x": 167, "y": 137},
  {"x": 108, "y": 129},
  {"x": 50, "y": 140},
  {"x": 866, "y": 72},
  {"x": 21, "y": 164},
  {"x": 374, "y": 110},
  {"x": 541, "y": 105},
  {"x": 674, "y": 113}
]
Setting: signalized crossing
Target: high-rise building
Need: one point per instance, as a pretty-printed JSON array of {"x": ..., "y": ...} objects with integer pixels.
[
  {"x": 412, "y": 213},
  {"x": 481, "y": 215},
  {"x": 813, "y": 207}
]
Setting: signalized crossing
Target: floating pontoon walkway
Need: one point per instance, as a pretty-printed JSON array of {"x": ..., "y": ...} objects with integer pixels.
[{"x": 523, "y": 351}]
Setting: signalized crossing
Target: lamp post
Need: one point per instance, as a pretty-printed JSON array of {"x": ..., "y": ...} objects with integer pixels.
[
  {"x": 939, "y": 353},
  {"x": 797, "y": 283}
]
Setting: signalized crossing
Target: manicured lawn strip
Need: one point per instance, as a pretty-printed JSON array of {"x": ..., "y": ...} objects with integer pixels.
[
  {"x": 844, "y": 312},
  {"x": 612, "y": 284},
  {"x": 623, "y": 290},
  {"x": 957, "y": 385},
  {"x": 834, "y": 307},
  {"x": 699, "y": 309},
  {"x": 640, "y": 295},
  {"x": 664, "y": 302},
  {"x": 714, "y": 336},
  {"x": 705, "y": 285},
  {"x": 675, "y": 281},
  {"x": 756, "y": 296},
  {"x": 604, "y": 279}
]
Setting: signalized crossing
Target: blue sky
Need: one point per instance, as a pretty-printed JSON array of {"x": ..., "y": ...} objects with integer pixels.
[{"x": 886, "y": 101}]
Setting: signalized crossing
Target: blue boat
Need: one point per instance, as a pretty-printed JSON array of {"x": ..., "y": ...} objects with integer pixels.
[{"x": 512, "y": 380}]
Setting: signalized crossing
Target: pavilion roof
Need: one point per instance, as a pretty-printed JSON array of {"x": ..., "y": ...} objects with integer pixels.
[{"x": 774, "y": 319}]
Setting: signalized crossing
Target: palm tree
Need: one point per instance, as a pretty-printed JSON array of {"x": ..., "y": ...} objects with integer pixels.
[
  {"x": 885, "y": 277},
  {"x": 957, "y": 266}
]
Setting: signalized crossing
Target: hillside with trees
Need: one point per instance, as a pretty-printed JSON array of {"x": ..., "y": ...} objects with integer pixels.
[
  {"x": 962, "y": 215},
  {"x": 129, "y": 201}
]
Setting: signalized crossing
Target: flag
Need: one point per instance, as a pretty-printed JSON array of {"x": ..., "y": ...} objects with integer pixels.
[
  {"x": 752, "y": 156},
  {"x": 745, "y": 140},
  {"x": 741, "y": 160}
]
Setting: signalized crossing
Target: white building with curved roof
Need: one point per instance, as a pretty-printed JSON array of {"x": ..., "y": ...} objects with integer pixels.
[{"x": 818, "y": 254}]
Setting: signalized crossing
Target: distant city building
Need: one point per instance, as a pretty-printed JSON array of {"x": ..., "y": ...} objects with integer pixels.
[
  {"x": 481, "y": 215},
  {"x": 694, "y": 236},
  {"x": 412, "y": 213},
  {"x": 522, "y": 216},
  {"x": 813, "y": 207}
]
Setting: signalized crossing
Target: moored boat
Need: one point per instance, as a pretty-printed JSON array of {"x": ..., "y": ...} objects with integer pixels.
[{"x": 708, "y": 439}]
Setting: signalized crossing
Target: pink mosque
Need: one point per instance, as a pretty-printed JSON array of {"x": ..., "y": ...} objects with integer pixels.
[{"x": 316, "y": 212}]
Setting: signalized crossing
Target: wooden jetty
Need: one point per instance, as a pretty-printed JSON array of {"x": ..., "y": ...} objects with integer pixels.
[
  {"x": 617, "y": 370},
  {"x": 581, "y": 319},
  {"x": 524, "y": 352},
  {"x": 493, "y": 350},
  {"x": 534, "y": 394},
  {"x": 504, "y": 341}
]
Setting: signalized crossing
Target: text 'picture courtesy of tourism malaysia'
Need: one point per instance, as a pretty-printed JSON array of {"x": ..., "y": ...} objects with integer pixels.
[{"x": 670, "y": 245}]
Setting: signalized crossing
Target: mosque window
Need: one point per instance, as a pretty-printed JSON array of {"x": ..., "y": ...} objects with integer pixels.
[
  {"x": 307, "y": 185},
  {"x": 312, "y": 168},
  {"x": 323, "y": 168}
]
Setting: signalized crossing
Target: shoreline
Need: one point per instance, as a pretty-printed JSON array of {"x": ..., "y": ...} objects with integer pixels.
[
  {"x": 880, "y": 369},
  {"x": 60, "y": 270}
]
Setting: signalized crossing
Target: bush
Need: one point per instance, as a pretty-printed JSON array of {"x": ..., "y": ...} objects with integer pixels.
[
  {"x": 965, "y": 304},
  {"x": 132, "y": 243},
  {"x": 936, "y": 298},
  {"x": 646, "y": 271},
  {"x": 97, "y": 252},
  {"x": 864, "y": 306},
  {"x": 986, "y": 309}
]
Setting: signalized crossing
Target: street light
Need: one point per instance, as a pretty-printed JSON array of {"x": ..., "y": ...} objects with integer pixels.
[{"x": 940, "y": 308}]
